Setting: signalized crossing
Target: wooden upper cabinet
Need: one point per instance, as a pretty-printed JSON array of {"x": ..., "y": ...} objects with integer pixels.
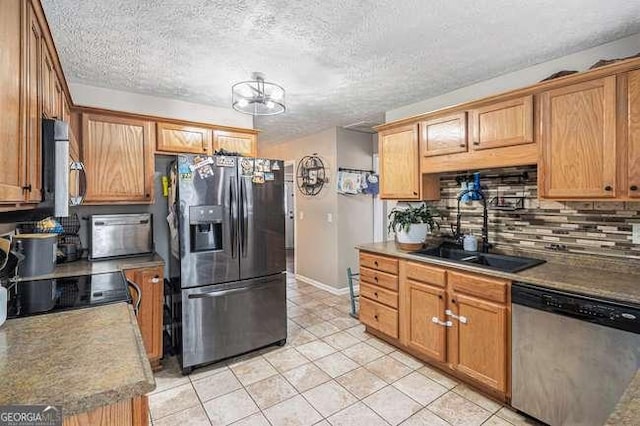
[
  {"x": 118, "y": 157},
  {"x": 242, "y": 143},
  {"x": 578, "y": 140},
  {"x": 478, "y": 340},
  {"x": 502, "y": 124},
  {"x": 12, "y": 149},
  {"x": 48, "y": 83},
  {"x": 444, "y": 135},
  {"x": 399, "y": 163},
  {"x": 32, "y": 104},
  {"x": 424, "y": 334},
  {"x": 633, "y": 117},
  {"x": 183, "y": 139}
]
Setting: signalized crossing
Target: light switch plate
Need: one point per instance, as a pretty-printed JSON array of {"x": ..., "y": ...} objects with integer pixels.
[
  {"x": 301, "y": 214},
  {"x": 329, "y": 217},
  {"x": 635, "y": 238}
]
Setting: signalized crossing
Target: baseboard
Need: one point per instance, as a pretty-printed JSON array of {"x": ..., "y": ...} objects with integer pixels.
[{"x": 322, "y": 286}]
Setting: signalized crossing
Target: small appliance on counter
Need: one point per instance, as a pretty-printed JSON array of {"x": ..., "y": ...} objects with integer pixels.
[
  {"x": 119, "y": 235},
  {"x": 40, "y": 253}
]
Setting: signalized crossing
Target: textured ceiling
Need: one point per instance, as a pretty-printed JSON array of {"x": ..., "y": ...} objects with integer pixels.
[{"x": 341, "y": 61}]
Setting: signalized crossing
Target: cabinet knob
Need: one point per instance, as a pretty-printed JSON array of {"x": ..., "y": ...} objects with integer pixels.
[
  {"x": 453, "y": 300},
  {"x": 439, "y": 296},
  {"x": 375, "y": 294},
  {"x": 27, "y": 188},
  {"x": 155, "y": 279},
  {"x": 476, "y": 143},
  {"x": 415, "y": 193},
  {"x": 375, "y": 279},
  {"x": 608, "y": 188},
  {"x": 375, "y": 263},
  {"x": 633, "y": 187},
  {"x": 463, "y": 145},
  {"x": 375, "y": 317}
]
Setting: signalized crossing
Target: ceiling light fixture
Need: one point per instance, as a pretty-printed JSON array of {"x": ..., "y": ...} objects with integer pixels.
[{"x": 258, "y": 97}]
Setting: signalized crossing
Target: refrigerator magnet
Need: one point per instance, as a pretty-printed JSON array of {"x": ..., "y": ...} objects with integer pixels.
[
  {"x": 258, "y": 177},
  {"x": 203, "y": 166},
  {"x": 246, "y": 166},
  {"x": 266, "y": 166},
  {"x": 269, "y": 176},
  {"x": 222, "y": 161},
  {"x": 275, "y": 165},
  {"x": 259, "y": 165}
]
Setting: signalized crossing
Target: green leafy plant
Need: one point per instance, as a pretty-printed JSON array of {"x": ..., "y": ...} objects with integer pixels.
[{"x": 402, "y": 218}]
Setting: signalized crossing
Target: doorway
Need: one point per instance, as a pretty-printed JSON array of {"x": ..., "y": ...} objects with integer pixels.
[{"x": 289, "y": 206}]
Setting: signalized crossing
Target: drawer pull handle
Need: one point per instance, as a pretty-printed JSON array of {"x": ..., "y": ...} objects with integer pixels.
[
  {"x": 460, "y": 318},
  {"x": 375, "y": 262},
  {"x": 608, "y": 188},
  {"x": 375, "y": 294},
  {"x": 376, "y": 317},
  {"x": 375, "y": 279},
  {"x": 155, "y": 279},
  {"x": 462, "y": 145},
  {"x": 633, "y": 187},
  {"x": 436, "y": 320}
]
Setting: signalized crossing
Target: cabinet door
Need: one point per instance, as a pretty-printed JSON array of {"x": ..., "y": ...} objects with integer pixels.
[
  {"x": 183, "y": 139},
  {"x": 151, "y": 284},
  {"x": 379, "y": 317},
  {"x": 399, "y": 165},
  {"x": 503, "y": 124},
  {"x": 12, "y": 152},
  {"x": 48, "y": 83},
  {"x": 118, "y": 158},
  {"x": 444, "y": 135},
  {"x": 241, "y": 143},
  {"x": 479, "y": 340},
  {"x": 578, "y": 140},
  {"x": 633, "y": 117},
  {"x": 425, "y": 335},
  {"x": 33, "y": 106},
  {"x": 57, "y": 96}
]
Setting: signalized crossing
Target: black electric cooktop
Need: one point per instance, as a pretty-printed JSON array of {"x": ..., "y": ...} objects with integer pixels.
[{"x": 36, "y": 297}]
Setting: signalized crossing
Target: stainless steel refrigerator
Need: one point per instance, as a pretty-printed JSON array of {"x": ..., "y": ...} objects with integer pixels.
[{"x": 227, "y": 220}]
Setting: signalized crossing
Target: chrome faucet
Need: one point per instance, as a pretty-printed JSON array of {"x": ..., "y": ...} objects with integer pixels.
[{"x": 457, "y": 233}]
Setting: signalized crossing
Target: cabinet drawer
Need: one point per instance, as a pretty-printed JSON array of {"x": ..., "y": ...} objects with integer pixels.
[
  {"x": 476, "y": 285},
  {"x": 381, "y": 263},
  {"x": 426, "y": 274},
  {"x": 378, "y": 278},
  {"x": 379, "y": 317},
  {"x": 378, "y": 294}
]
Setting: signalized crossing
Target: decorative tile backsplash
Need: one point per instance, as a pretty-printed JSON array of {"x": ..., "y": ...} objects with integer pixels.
[{"x": 597, "y": 228}]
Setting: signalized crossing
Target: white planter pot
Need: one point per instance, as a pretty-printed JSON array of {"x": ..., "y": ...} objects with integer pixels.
[{"x": 416, "y": 234}]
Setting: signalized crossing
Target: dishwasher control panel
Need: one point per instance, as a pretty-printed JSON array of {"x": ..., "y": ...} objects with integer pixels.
[{"x": 600, "y": 311}]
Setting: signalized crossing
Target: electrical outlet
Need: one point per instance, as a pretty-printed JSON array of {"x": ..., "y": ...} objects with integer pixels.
[
  {"x": 635, "y": 238},
  {"x": 330, "y": 217}
]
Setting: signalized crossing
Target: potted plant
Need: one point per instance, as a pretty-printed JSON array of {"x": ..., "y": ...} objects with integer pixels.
[{"x": 412, "y": 224}]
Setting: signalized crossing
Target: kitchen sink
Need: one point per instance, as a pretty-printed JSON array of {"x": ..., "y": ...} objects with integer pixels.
[{"x": 498, "y": 262}]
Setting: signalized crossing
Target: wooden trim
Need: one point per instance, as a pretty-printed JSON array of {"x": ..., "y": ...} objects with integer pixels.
[
  {"x": 516, "y": 155},
  {"x": 535, "y": 88},
  {"x": 155, "y": 118},
  {"x": 629, "y": 132}
]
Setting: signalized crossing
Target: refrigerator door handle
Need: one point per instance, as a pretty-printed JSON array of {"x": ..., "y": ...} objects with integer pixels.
[
  {"x": 233, "y": 216},
  {"x": 245, "y": 218},
  {"x": 218, "y": 293}
]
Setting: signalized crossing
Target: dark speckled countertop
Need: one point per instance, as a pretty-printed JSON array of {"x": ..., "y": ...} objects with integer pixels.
[
  {"x": 612, "y": 279},
  {"x": 560, "y": 272},
  {"x": 80, "y": 359}
]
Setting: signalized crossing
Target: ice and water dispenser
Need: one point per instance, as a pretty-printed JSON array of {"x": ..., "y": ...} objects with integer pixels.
[{"x": 206, "y": 227}]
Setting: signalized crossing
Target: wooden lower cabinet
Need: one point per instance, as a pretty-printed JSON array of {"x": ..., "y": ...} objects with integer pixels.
[
  {"x": 133, "y": 412},
  {"x": 425, "y": 320},
  {"x": 150, "y": 313},
  {"x": 455, "y": 320},
  {"x": 478, "y": 340}
]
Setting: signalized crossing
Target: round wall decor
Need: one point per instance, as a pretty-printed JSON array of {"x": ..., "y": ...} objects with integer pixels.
[{"x": 311, "y": 175}]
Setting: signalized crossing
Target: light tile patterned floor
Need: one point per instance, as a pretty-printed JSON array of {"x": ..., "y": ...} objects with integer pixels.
[{"x": 330, "y": 372}]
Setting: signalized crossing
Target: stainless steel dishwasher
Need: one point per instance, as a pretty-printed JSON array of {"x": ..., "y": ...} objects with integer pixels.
[{"x": 573, "y": 356}]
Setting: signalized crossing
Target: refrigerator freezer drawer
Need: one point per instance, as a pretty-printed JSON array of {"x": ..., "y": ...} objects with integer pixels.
[{"x": 220, "y": 321}]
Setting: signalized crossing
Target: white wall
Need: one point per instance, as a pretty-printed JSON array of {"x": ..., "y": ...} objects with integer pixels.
[
  {"x": 315, "y": 237},
  {"x": 99, "y": 97},
  {"x": 355, "y": 212},
  {"x": 578, "y": 61}
]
